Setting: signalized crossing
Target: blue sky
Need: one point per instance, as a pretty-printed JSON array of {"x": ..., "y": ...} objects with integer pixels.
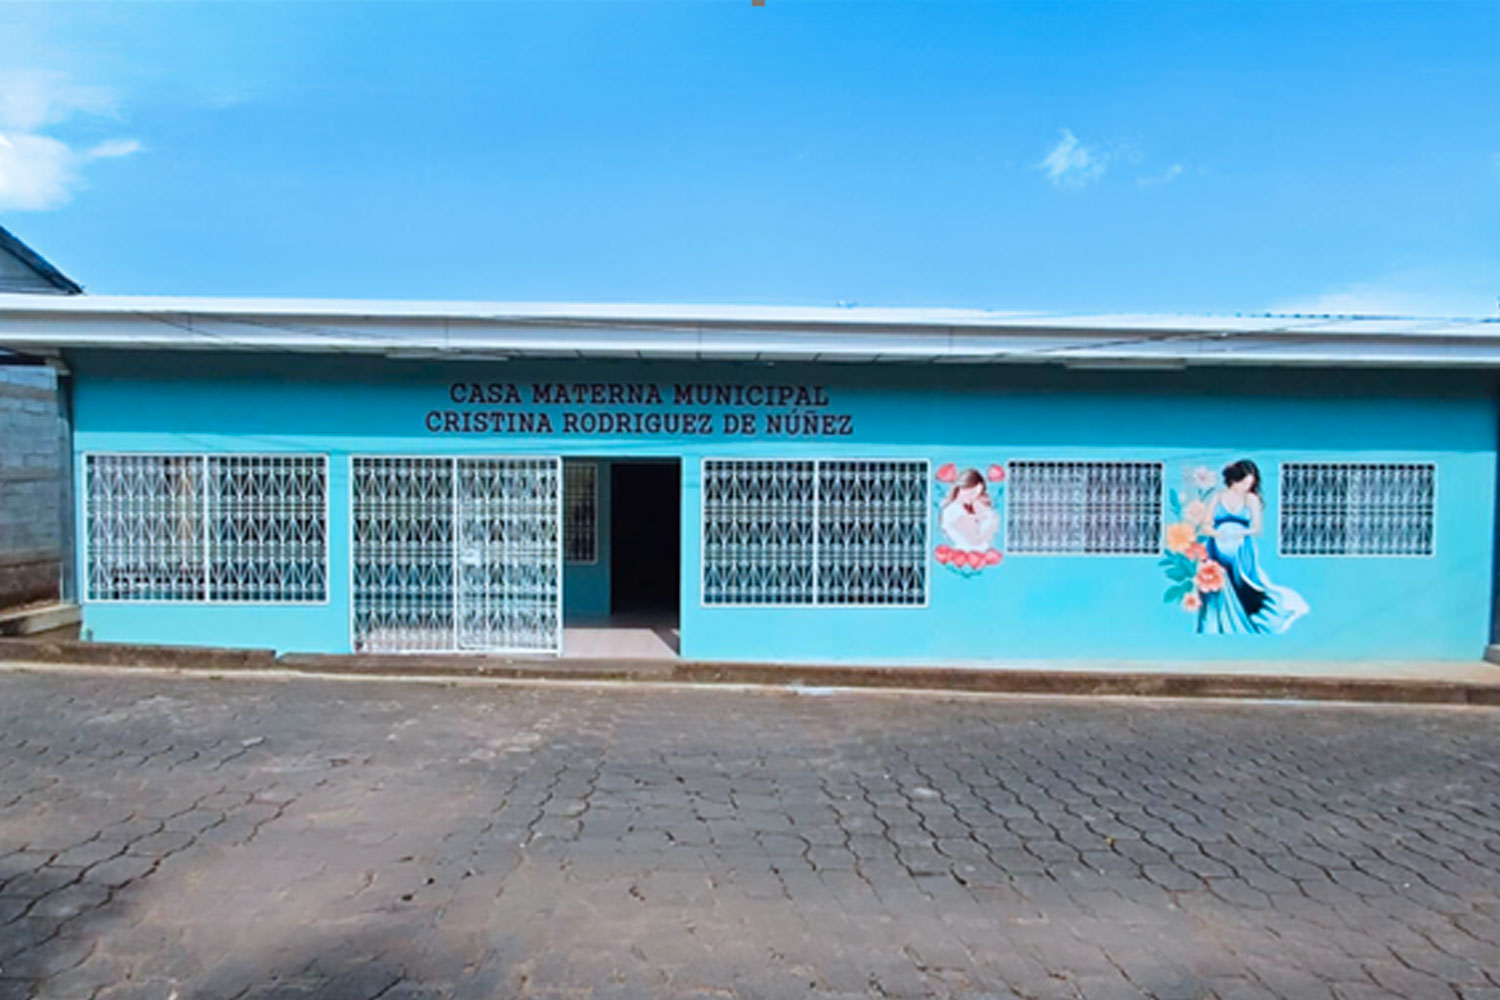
[{"x": 1023, "y": 155}]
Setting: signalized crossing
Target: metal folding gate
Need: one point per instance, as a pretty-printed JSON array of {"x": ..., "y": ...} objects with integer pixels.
[{"x": 457, "y": 554}]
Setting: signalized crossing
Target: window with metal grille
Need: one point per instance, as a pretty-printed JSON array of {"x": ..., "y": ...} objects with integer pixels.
[
  {"x": 232, "y": 529},
  {"x": 1358, "y": 509},
  {"x": 815, "y": 532},
  {"x": 872, "y": 533},
  {"x": 1083, "y": 508},
  {"x": 581, "y": 512}
]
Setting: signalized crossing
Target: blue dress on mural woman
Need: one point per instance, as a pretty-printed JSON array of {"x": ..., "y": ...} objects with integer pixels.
[{"x": 1249, "y": 602}]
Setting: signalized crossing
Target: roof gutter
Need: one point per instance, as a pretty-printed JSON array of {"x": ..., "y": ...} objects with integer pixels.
[{"x": 461, "y": 331}]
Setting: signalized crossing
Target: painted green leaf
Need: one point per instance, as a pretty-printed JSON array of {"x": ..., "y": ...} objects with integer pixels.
[{"x": 1177, "y": 593}]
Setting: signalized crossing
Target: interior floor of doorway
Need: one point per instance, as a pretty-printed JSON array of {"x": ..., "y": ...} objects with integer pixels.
[{"x": 624, "y": 640}]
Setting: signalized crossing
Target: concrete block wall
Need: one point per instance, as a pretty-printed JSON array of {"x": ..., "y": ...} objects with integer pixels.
[{"x": 31, "y": 485}]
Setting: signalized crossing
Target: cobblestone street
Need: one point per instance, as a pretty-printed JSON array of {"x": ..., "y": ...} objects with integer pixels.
[{"x": 191, "y": 838}]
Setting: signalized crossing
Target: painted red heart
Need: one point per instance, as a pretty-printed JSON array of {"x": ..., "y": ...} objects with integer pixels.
[
  {"x": 997, "y": 474},
  {"x": 947, "y": 472},
  {"x": 993, "y": 557}
]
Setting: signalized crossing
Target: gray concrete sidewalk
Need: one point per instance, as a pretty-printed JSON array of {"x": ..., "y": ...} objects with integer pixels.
[
  {"x": 1435, "y": 682},
  {"x": 253, "y": 838}
]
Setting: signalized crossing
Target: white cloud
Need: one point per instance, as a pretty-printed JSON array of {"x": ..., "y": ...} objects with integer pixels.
[
  {"x": 1167, "y": 176},
  {"x": 1072, "y": 164},
  {"x": 38, "y": 170},
  {"x": 33, "y": 99},
  {"x": 113, "y": 148},
  {"x": 1458, "y": 290}
]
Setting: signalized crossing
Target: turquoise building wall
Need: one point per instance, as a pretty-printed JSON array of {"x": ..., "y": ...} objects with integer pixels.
[{"x": 1029, "y": 608}]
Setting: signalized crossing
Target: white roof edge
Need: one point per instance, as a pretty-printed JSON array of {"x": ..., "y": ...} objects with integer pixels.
[
  {"x": 688, "y": 313},
  {"x": 43, "y": 323}
]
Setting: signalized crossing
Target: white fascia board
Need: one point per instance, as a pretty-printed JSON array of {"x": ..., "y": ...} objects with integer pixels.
[
  {"x": 476, "y": 330},
  {"x": 627, "y": 313}
]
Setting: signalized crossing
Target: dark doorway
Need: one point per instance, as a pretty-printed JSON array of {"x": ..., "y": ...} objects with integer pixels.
[{"x": 646, "y": 534}]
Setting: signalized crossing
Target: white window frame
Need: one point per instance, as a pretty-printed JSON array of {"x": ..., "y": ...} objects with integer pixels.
[
  {"x": 1281, "y": 512},
  {"x": 594, "y": 499},
  {"x": 815, "y": 603},
  {"x": 1011, "y": 553},
  {"x": 455, "y": 458},
  {"x": 204, "y": 457}
]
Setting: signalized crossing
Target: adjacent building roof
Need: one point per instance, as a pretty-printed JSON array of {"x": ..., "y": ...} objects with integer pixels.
[
  {"x": 488, "y": 330},
  {"x": 22, "y": 269}
]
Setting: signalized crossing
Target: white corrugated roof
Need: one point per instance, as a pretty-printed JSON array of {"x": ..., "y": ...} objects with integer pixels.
[{"x": 767, "y": 333}]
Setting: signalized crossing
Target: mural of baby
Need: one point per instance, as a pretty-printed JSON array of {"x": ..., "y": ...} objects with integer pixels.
[{"x": 968, "y": 518}]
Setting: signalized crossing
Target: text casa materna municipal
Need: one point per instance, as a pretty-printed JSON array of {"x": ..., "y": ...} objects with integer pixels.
[{"x": 686, "y": 409}]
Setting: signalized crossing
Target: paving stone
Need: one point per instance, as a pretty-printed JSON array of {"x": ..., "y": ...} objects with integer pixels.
[
  {"x": 119, "y": 871},
  {"x": 417, "y": 842},
  {"x": 12, "y": 907},
  {"x": 69, "y": 901},
  {"x": 160, "y": 844},
  {"x": 91, "y": 852}
]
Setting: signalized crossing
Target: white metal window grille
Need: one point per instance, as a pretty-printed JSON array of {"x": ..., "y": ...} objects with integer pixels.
[
  {"x": 207, "y": 528},
  {"x": 403, "y": 584},
  {"x": 758, "y": 526},
  {"x": 1084, "y": 508},
  {"x": 509, "y": 554},
  {"x": 267, "y": 528},
  {"x": 581, "y": 512},
  {"x": 783, "y": 532},
  {"x": 145, "y": 528},
  {"x": 457, "y": 555},
  {"x": 872, "y": 533},
  {"x": 1358, "y": 509}
]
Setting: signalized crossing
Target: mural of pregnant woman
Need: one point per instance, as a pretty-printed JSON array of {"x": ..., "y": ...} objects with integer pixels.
[{"x": 1212, "y": 561}]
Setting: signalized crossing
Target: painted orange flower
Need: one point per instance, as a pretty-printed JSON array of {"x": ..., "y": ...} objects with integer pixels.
[
  {"x": 1210, "y": 577},
  {"x": 1191, "y": 601},
  {"x": 1180, "y": 536},
  {"x": 1196, "y": 552}
]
